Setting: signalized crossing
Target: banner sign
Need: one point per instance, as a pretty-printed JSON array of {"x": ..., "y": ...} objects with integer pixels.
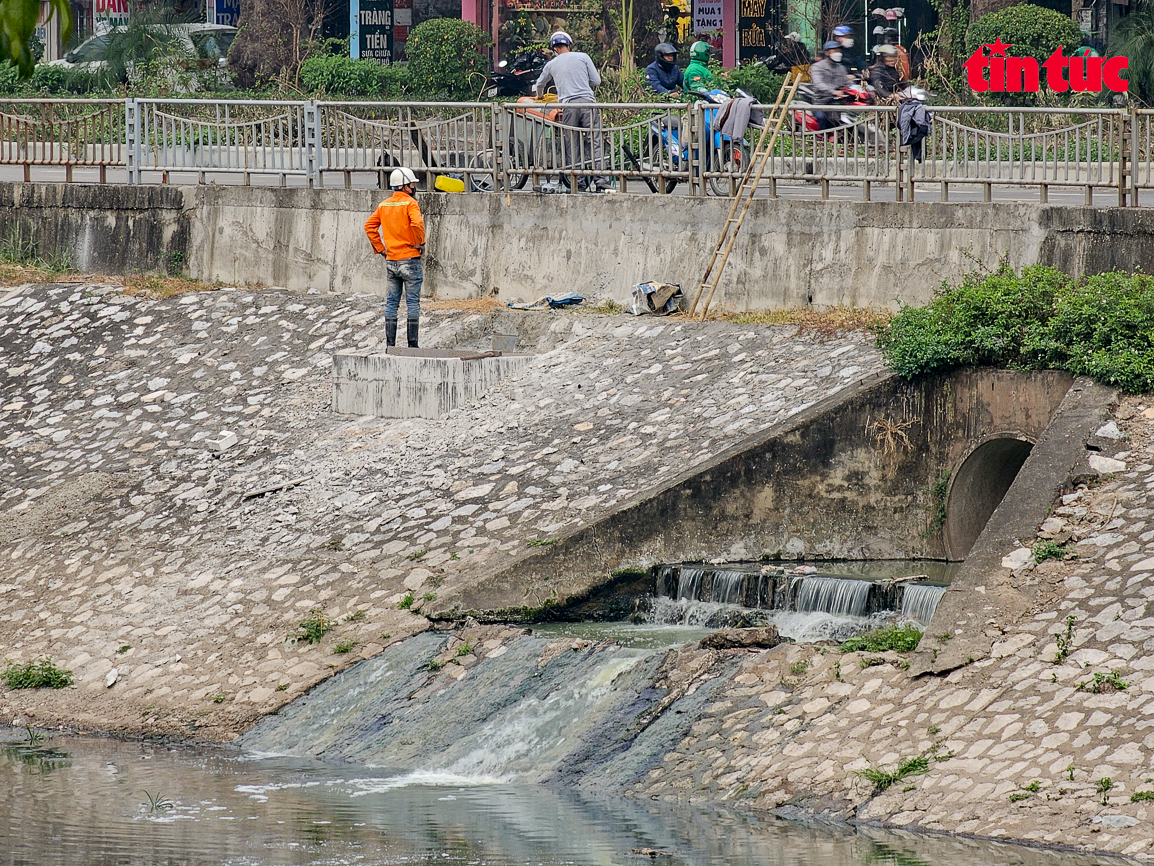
[
  {"x": 227, "y": 13},
  {"x": 706, "y": 16},
  {"x": 753, "y": 28},
  {"x": 371, "y": 30},
  {"x": 110, "y": 13}
]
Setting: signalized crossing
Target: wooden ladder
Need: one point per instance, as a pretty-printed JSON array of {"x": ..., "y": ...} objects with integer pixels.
[{"x": 750, "y": 179}]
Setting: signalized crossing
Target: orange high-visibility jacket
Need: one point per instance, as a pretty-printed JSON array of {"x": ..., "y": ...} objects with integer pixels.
[{"x": 399, "y": 219}]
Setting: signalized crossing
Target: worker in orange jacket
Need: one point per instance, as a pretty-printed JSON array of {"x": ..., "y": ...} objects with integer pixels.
[{"x": 398, "y": 219}]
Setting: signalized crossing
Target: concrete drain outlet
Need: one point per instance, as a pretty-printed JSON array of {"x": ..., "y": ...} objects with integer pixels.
[{"x": 417, "y": 383}]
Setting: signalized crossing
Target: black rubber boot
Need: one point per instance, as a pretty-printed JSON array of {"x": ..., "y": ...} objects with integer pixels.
[
  {"x": 414, "y": 325},
  {"x": 390, "y": 333}
]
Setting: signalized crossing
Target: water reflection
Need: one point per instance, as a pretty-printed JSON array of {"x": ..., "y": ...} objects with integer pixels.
[{"x": 230, "y": 808}]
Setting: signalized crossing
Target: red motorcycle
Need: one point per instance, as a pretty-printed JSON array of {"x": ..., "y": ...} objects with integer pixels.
[{"x": 805, "y": 119}]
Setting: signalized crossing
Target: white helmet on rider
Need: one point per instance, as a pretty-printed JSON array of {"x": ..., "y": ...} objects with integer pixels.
[
  {"x": 560, "y": 38},
  {"x": 401, "y": 177}
]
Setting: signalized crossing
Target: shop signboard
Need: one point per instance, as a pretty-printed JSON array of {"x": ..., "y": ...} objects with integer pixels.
[
  {"x": 754, "y": 28},
  {"x": 371, "y": 30},
  {"x": 227, "y": 12},
  {"x": 707, "y": 16},
  {"x": 109, "y": 13}
]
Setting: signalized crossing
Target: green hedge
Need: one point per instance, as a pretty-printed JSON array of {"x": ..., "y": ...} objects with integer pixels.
[
  {"x": 1034, "y": 31},
  {"x": 1100, "y": 326},
  {"x": 333, "y": 75}
]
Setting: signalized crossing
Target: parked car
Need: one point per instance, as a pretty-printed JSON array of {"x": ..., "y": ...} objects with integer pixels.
[{"x": 207, "y": 43}]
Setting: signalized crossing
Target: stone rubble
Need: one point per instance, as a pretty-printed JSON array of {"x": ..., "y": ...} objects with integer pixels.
[{"x": 127, "y": 540}]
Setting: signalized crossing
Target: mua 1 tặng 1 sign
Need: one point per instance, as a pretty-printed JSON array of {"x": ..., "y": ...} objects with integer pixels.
[
  {"x": 706, "y": 16},
  {"x": 371, "y": 30}
]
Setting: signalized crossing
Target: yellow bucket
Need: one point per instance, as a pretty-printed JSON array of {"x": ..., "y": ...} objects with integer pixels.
[{"x": 449, "y": 184}]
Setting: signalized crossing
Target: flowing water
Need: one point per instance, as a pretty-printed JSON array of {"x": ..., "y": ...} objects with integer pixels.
[
  {"x": 832, "y": 595},
  {"x": 920, "y": 601},
  {"x": 76, "y": 800}
]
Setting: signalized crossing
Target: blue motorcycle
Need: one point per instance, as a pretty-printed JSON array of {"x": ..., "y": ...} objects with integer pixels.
[{"x": 665, "y": 149}]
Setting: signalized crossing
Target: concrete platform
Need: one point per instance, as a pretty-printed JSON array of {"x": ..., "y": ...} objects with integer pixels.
[{"x": 416, "y": 383}]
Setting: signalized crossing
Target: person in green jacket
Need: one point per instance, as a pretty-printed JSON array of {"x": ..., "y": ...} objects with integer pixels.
[{"x": 697, "y": 74}]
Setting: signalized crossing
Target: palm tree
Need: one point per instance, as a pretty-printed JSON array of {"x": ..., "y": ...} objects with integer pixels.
[{"x": 1133, "y": 38}]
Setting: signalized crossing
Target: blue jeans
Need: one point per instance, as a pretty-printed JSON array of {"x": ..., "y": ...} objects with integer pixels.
[{"x": 408, "y": 274}]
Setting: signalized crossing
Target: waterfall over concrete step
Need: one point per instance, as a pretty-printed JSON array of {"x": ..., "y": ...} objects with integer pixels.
[
  {"x": 532, "y": 709},
  {"x": 699, "y": 591}
]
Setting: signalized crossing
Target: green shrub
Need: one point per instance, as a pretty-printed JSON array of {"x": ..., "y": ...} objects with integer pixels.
[
  {"x": 39, "y": 674},
  {"x": 1047, "y": 549},
  {"x": 1033, "y": 31},
  {"x": 759, "y": 82},
  {"x": 314, "y": 626},
  {"x": 333, "y": 75},
  {"x": 902, "y": 639},
  {"x": 444, "y": 57},
  {"x": 1101, "y": 326}
]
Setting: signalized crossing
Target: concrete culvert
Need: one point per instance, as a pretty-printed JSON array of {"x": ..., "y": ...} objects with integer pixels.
[{"x": 979, "y": 486}]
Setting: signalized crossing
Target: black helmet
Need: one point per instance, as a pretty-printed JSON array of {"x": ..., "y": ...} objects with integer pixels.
[{"x": 662, "y": 49}]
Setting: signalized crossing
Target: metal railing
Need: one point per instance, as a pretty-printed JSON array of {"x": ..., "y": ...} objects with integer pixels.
[{"x": 508, "y": 147}]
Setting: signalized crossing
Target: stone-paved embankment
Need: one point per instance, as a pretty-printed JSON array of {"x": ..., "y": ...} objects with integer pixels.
[
  {"x": 127, "y": 542},
  {"x": 1047, "y": 739}
]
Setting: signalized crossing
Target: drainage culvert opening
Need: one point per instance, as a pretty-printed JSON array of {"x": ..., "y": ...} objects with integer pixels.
[{"x": 978, "y": 488}]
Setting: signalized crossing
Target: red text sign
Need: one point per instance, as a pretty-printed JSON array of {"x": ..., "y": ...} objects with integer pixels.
[{"x": 997, "y": 72}]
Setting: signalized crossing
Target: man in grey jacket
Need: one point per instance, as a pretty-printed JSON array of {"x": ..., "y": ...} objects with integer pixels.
[{"x": 575, "y": 77}]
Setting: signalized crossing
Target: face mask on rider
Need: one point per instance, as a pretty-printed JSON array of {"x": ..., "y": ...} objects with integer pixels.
[
  {"x": 835, "y": 56},
  {"x": 847, "y": 42}
]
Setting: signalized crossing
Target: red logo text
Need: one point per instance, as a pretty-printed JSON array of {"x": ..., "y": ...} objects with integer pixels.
[{"x": 997, "y": 72}]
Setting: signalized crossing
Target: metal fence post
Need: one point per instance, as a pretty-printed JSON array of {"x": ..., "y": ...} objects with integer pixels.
[
  {"x": 312, "y": 154},
  {"x": 132, "y": 139},
  {"x": 500, "y": 163}
]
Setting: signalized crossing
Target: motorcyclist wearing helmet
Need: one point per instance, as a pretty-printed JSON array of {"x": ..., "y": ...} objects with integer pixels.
[
  {"x": 853, "y": 62},
  {"x": 697, "y": 74},
  {"x": 884, "y": 76},
  {"x": 398, "y": 220},
  {"x": 828, "y": 81},
  {"x": 663, "y": 75}
]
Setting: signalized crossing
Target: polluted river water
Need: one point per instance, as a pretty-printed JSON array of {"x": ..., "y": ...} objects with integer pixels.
[
  {"x": 80, "y": 800},
  {"x": 397, "y": 761}
]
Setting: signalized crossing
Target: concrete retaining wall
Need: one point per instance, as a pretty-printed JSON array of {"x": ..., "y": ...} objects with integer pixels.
[
  {"x": 790, "y": 254},
  {"x": 399, "y": 386}
]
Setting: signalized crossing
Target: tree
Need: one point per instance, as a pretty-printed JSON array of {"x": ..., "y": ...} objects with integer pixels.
[
  {"x": 1133, "y": 38},
  {"x": 275, "y": 37},
  {"x": 1032, "y": 31},
  {"x": 18, "y": 25}
]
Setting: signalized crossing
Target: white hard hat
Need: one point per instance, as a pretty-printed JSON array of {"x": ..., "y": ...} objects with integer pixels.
[{"x": 400, "y": 177}]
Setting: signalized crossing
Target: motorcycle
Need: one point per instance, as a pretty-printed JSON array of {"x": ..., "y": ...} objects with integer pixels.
[
  {"x": 516, "y": 78},
  {"x": 807, "y": 120},
  {"x": 664, "y": 148}
]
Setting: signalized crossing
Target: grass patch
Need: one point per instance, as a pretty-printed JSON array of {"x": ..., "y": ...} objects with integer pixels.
[
  {"x": 22, "y": 260},
  {"x": 1103, "y": 787},
  {"x": 405, "y": 603},
  {"x": 898, "y": 638},
  {"x": 219, "y": 698},
  {"x": 541, "y": 542},
  {"x": 358, "y": 616},
  {"x": 157, "y": 802},
  {"x": 1141, "y": 796},
  {"x": 798, "y": 669},
  {"x": 1103, "y": 684},
  {"x": 39, "y": 674},
  {"x": 123, "y": 649},
  {"x": 417, "y": 554},
  {"x": 429, "y": 596},
  {"x": 434, "y": 664},
  {"x": 826, "y": 324},
  {"x": 1048, "y": 549},
  {"x": 314, "y": 626},
  {"x": 1100, "y": 326},
  {"x": 345, "y": 646},
  {"x": 464, "y": 649},
  {"x": 159, "y": 288},
  {"x": 883, "y": 779},
  {"x": 1065, "y": 641}
]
